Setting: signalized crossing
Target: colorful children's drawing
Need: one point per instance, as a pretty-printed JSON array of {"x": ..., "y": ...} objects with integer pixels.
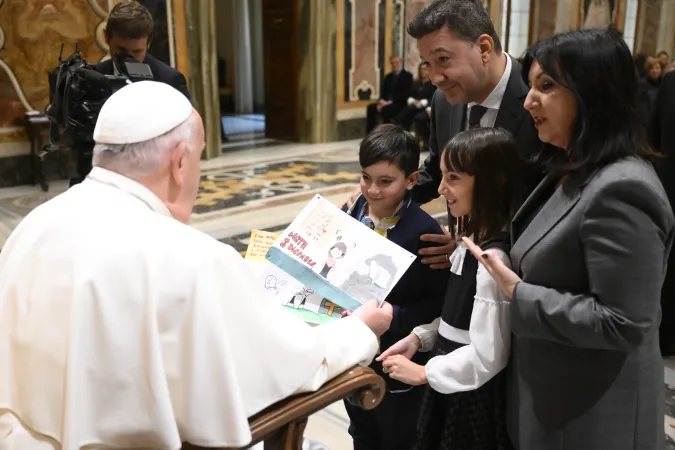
[
  {"x": 375, "y": 282},
  {"x": 299, "y": 300},
  {"x": 337, "y": 257}
]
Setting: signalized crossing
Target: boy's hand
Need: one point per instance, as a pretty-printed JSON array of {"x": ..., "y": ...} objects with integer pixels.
[
  {"x": 352, "y": 198},
  {"x": 404, "y": 370},
  {"x": 438, "y": 256},
  {"x": 406, "y": 347}
]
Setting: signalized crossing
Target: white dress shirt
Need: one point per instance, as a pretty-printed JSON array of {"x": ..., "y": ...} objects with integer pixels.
[
  {"x": 488, "y": 340},
  {"x": 493, "y": 101}
]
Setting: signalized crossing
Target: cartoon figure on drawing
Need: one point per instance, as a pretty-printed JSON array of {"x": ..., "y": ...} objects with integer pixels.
[
  {"x": 302, "y": 295},
  {"x": 373, "y": 284},
  {"x": 336, "y": 252},
  {"x": 272, "y": 285}
]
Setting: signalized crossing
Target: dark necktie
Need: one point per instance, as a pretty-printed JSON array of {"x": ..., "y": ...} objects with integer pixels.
[{"x": 475, "y": 114}]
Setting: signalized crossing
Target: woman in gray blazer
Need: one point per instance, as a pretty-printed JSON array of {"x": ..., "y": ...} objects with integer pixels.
[{"x": 589, "y": 256}]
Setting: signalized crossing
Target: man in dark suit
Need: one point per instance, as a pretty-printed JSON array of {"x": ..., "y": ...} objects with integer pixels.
[
  {"x": 129, "y": 31},
  {"x": 393, "y": 95},
  {"x": 662, "y": 135},
  {"x": 478, "y": 85}
]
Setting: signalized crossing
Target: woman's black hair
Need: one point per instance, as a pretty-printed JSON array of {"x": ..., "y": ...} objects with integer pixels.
[
  {"x": 491, "y": 156},
  {"x": 597, "y": 67}
]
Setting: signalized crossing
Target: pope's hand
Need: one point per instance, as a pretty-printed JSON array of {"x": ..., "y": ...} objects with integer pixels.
[
  {"x": 505, "y": 277},
  {"x": 438, "y": 256},
  {"x": 406, "y": 347},
  {"x": 402, "y": 369},
  {"x": 377, "y": 319}
]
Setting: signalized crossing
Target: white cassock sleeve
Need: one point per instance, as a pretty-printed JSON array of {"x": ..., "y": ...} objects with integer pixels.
[
  {"x": 241, "y": 352},
  {"x": 472, "y": 365}
]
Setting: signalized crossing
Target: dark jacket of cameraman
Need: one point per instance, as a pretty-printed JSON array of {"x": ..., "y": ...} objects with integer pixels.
[{"x": 160, "y": 71}]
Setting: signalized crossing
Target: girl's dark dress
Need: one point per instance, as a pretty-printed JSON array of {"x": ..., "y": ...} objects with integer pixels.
[{"x": 472, "y": 420}]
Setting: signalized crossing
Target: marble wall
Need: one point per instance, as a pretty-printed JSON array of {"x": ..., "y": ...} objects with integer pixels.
[
  {"x": 649, "y": 14},
  {"x": 31, "y": 35}
]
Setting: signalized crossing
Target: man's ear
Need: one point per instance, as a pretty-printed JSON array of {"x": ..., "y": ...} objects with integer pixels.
[
  {"x": 486, "y": 46},
  {"x": 412, "y": 180},
  {"x": 177, "y": 163}
]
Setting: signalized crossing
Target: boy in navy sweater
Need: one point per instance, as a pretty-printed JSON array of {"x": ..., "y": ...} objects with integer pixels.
[{"x": 389, "y": 158}]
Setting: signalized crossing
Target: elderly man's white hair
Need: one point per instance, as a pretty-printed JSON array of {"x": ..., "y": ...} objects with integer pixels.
[{"x": 142, "y": 159}]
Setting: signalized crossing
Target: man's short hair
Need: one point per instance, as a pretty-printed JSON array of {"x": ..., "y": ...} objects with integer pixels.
[
  {"x": 130, "y": 20},
  {"x": 468, "y": 19}
]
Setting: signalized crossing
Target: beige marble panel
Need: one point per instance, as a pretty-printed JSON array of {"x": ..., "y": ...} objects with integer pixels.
[
  {"x": 412, "y": 55},
  {"x": 543, "y": 18},
  {"x": 365, "y": 71},
  {"x": 648, "y": 26}
]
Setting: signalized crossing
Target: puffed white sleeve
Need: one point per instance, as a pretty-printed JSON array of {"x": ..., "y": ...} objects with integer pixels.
[
  {"x": 427, "y": 334},
  {"x": 474, "y": 364}
]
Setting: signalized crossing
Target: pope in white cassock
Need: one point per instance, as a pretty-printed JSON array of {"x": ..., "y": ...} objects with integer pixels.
[{"x": 123, "y": 327}]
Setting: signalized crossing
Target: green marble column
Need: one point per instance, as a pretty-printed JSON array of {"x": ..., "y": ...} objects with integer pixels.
[
  {"x": 201, "y": 37},
  {"x": 318, "y": 106}
]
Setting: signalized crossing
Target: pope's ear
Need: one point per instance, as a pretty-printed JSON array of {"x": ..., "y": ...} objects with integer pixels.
[{"x": 178, "y": 163}]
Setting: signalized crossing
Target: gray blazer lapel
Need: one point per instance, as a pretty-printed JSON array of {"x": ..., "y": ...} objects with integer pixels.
[{"x": 556, "y": 207}]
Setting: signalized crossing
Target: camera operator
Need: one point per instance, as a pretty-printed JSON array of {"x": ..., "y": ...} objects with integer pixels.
[
  {"x": 129, "y": 30},
  {"x": 128, "y": 34}
]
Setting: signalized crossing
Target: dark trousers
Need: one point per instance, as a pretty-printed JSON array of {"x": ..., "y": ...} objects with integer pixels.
[
  {"x": 422, "y": 125},
  {"x": 390, "y": 426},
  {"x": 387, "y": 114}
]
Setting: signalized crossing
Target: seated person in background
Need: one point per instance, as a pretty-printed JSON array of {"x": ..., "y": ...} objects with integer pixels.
[
  {"x": 664, "y": 58},
  {"x": 393, "y": 95},
  {"x": 123, "y": 327},
  {"x": 421, "y": 93},
  {"x": 389, "y": 157},
  {"x": 648, "y": 87}
]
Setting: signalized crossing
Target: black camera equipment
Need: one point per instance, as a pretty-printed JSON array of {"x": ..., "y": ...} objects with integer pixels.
[{"x": 77, "y": 92}]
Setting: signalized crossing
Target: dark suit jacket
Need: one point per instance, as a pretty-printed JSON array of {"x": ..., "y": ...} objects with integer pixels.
[
  {"x": 448, "y": 119},
  {"x": 586, "y": 372},
  {"x": 421, "y": 91},
  {"x": 662, "y": 130},
  {"x": 662, "y": 135},
  {"x": 160, "y": 71},
  {"x": 396, "y": 88}
]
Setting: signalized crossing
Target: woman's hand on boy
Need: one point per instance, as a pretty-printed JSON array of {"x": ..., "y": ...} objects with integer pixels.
[
  {"x": 402, "y": 369},
  {"x": 438, "y": 256},
  {"x": 506, "y": 278},
  {"x": 406, "y": 347}
]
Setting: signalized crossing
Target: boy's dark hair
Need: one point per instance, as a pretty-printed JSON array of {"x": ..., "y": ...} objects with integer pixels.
[
  {"x": 468, "y": 19},
  {"x": 596, "y": 66},
  {"x": 130, "y": 20},
  {"x": 392, "y": 144},
  {"x": 491, "y": 156}
]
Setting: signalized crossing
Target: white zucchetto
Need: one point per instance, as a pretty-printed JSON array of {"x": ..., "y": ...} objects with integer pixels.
[{"x": 141, "y": 111}]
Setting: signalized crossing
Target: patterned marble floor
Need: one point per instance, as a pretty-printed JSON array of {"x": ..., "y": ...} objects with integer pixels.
[{"x": 263, "y": 186}]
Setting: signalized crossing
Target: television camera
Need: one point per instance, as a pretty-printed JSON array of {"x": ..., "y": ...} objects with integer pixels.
[{"x": 77, "y": 94}]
